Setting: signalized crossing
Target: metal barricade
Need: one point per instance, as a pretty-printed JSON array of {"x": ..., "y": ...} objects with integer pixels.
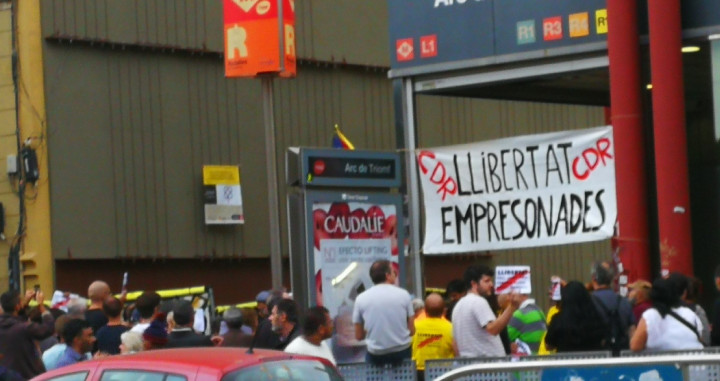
[
  {"x": 696, "y": 372},
  {"x": 675, "y": 364},
  {"x": 436, "y": 368},
  {"x": 367, "y": 372}
]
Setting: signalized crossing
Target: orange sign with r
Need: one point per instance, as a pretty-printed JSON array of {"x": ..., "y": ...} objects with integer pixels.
[{"x": 256, "y": 42}]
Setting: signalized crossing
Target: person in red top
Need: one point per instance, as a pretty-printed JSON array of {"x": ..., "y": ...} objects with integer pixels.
[{"x": 639, "y": 296}]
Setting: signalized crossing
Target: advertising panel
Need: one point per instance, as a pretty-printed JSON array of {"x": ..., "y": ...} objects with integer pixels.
[
  {"x": 256, "y": 41},
  {"x": 638, "y": 372},
  {"x": 526, "y": 191},
  {"x": 349, "y": 233}
]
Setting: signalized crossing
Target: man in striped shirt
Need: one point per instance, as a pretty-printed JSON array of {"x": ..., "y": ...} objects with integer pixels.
[{"x": 527, "y": 324}]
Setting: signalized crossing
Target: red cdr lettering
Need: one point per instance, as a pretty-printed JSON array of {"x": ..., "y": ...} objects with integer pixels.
[
  {"x": 438, "y": 176},
  {"x": 591, "y": 157}
]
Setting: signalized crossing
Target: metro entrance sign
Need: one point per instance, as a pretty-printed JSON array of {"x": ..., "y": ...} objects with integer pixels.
[
  {"x": 256, "y": 42},
  {"x": 428, "y": 32},
  {"x": 430, "y": 36}
]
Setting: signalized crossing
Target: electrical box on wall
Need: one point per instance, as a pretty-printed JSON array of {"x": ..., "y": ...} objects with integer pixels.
[
  {"x": 222, "y": 195},
  {"x": 12, "y": 165}
]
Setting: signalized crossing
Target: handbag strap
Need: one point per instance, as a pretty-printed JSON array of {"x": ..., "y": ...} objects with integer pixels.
[{"x": 687, "y": 324}]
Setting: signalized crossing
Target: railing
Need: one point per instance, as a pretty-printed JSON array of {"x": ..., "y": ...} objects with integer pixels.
[
  {"x": 694, "y": 365},
  {"x": 436, "y": 368},
  {"x": 676, "y": 366}
]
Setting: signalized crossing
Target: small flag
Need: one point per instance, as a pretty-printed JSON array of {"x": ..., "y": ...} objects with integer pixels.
[{"x": 340, "y": 141}]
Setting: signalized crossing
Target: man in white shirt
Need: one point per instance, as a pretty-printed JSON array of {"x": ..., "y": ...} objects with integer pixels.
[
  {"x": 318, "y": 326},
  {"x": 475, "y": 326},
  {"x": 383, "y": 316},
  {"x": 147, "y": 305}
]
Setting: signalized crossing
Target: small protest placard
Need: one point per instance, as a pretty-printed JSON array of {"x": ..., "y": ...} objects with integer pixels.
[
  {"x": 512, "y": 278},
  {"x": 555, "y": 285}
]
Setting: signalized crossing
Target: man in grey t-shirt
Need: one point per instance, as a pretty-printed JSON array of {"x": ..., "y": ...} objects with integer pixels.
[
  {"x": 475, "y": 326},
  {"x": 383, "y": 317}
]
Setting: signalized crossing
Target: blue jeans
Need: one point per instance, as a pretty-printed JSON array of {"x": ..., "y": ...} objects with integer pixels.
[{"x": 392, "y": 358}]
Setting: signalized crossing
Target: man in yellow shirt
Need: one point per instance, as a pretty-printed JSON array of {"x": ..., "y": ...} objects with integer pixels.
[{"x": 433, "y": 337}]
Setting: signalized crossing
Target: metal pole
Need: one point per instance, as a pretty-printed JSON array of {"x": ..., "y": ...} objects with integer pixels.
[
  {"x": 270, "y": 162},
  {"x": 413, "y": 186}
]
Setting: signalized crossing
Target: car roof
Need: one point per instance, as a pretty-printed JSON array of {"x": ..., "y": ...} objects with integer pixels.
[{"x": 220, "y": 358}]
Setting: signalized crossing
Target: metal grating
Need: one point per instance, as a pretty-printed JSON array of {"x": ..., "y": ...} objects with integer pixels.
[{"x": 366, "y": 372}]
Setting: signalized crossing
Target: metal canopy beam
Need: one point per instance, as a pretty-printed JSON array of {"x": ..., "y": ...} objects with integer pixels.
[{"x": 514, "y": 74}]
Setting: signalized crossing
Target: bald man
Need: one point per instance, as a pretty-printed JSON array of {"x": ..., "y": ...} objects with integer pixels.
[
  {"x": 433, "y": 337},
  {"x": 97, "y": 293}
]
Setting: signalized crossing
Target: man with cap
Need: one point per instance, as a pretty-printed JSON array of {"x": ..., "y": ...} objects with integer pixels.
[
  {"x": 183, "y": 334},
  {"x": 262, "y": 307},
  {"x": 639, "y": 297},
  {"x": 235, "y": 337}
]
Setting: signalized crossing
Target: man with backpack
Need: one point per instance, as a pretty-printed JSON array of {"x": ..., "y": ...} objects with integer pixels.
[{"x": 616, "y": 310}]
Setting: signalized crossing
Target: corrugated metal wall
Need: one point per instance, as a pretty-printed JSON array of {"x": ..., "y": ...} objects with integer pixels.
[
  {"x": 344, "y": 31},
  {"x": 129, "y": 130}
]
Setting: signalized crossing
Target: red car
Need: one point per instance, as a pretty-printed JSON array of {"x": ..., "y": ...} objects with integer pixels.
[{"x": 190, "y": 364}]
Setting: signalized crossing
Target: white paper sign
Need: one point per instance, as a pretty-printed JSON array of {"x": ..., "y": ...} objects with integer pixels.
[
  {"x": 525, "y": 191},
  {"x": 512, "y": 278}
]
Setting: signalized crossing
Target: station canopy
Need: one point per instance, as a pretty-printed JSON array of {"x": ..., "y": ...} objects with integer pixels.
[{"x": 531, "y": 50}]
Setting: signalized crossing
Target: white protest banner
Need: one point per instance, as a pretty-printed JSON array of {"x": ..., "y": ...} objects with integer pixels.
[
  {"x": 525, "y": 191},
  {"x": 512, "y": 278}
]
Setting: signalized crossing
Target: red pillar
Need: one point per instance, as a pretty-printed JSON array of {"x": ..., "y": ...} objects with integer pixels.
[
  {"x": 626, "y": 117},
  {"x": 670, "y": 140}
]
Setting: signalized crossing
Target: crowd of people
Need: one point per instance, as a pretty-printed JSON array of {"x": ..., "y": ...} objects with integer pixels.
[
  {"x": 470, "y": 320},
  {"x": 38, "y": 339}
]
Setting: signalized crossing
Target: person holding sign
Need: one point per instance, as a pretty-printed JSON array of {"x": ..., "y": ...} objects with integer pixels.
[
  {"x": 475, "y": 326},
  {"x": 578, "y": 326},
  {"x": 528, "y": 324}
]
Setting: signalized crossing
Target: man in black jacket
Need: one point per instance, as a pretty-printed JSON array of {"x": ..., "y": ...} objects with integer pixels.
[
  {"x": 183, "y": 334},
  {"x": 285, "y": 318},
  {"x": 17, "y": 336}
]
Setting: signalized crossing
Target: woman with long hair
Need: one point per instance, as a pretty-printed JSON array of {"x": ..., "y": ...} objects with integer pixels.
[
  {"x": 668, "y": 325},
  {"x": 578, "y": 325}
]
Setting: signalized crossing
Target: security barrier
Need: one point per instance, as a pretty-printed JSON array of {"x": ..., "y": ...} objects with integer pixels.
[
  {"x": 696, "y": 365},
  {"x": 696, "y": 372},
  {"x": 363, "y": 371},
  {"x": 668, "y": 366},
  {"x": 436, "y": 368}
]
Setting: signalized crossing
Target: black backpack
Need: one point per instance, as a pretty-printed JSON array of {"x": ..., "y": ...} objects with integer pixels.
[{"x": 616, "y": 334}]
